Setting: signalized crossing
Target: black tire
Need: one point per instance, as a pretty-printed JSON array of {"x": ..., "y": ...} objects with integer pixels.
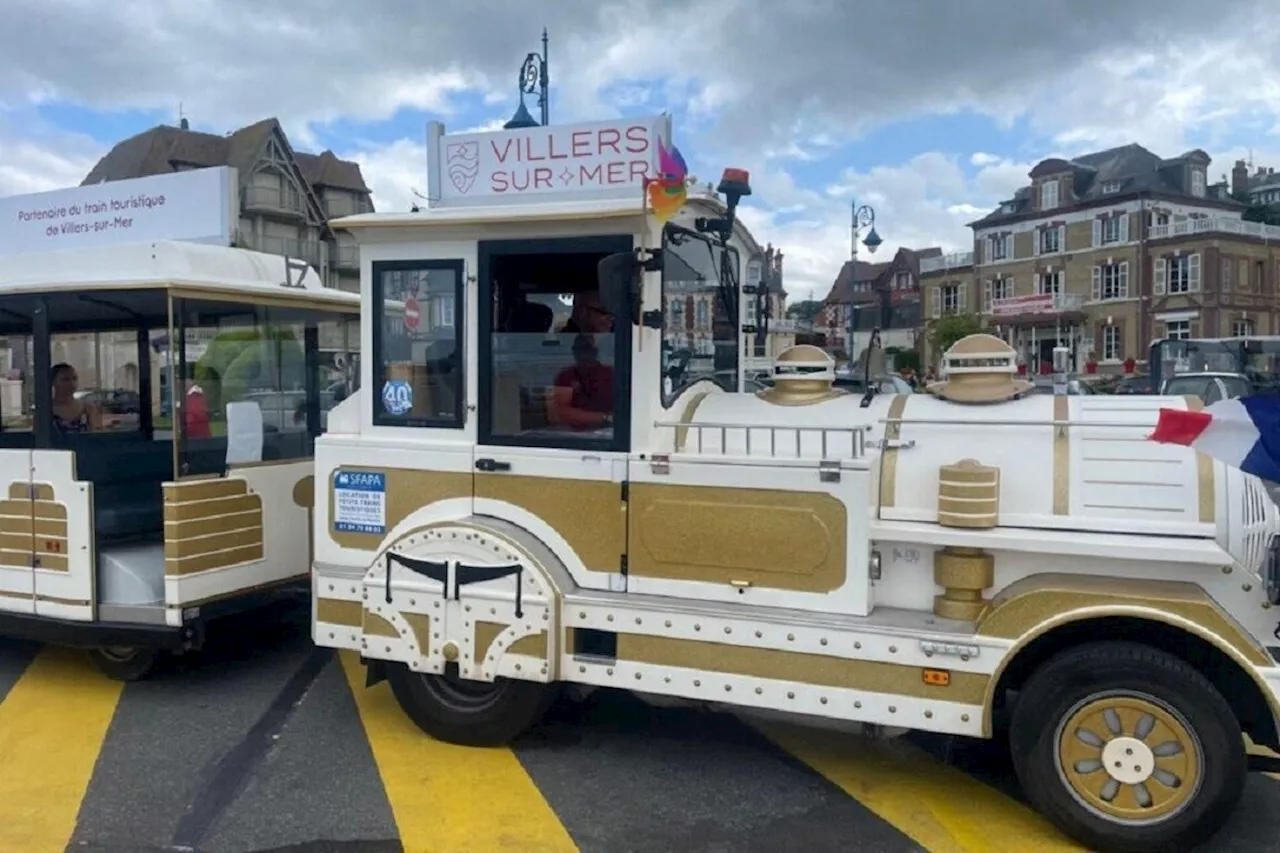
[
  {"x": 469, "y": 713},
  {"x": 1134, "y": 679},
  {"x": 124, "y": 663}
]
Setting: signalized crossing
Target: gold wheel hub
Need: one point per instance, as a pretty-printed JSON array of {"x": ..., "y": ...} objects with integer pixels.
[{"x": 1129, "y": 759}]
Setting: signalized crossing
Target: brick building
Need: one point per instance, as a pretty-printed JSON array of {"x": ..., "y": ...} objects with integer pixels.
[{"x": 1104, "y": 254}]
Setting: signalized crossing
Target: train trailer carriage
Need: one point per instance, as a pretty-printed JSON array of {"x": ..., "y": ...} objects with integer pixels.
[
  {"x": 552, "y": 477},
  {"x": 158, "y": 408}
]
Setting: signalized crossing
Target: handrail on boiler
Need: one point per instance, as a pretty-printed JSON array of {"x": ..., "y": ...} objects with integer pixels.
[
  {"x": 855, "y": 434},
  {"x": 1052, "y": 422}
]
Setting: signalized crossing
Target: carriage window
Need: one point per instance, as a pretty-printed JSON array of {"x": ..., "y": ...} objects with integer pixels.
[
  {"x": 417, "y": 355},
  {"x": 338, "y": 363},
  {"x": 16, "y": 390},
  {"x": 95, "y": 382},
  {"x": 240, "y": 353},
  {"x": 699, "y": 342}
]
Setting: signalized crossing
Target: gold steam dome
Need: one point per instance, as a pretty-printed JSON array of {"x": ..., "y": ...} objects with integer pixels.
[
  {"x": 802, "y": 375},
  {"x": 979, "y": 369}
]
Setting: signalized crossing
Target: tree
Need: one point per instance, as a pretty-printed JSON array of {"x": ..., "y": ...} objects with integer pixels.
[
  {"x": 805, "y": 310},
  {"x": 1267, "y": 214},
  {"x": 951, "y": 328},
  {"x": 239, "y": 361},
  {"x": 904, "y": 359}
]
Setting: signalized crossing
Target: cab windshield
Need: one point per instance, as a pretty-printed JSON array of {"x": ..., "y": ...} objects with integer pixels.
[{"x": 699, "y": 286}]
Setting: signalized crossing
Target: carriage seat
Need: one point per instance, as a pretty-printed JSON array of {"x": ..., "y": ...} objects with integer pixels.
[{"x": 128, "y": 494}]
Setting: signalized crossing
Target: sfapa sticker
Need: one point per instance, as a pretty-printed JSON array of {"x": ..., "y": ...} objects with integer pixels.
[{"x": 360, "y": 501}]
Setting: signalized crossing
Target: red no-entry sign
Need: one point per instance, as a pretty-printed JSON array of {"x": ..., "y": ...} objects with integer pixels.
[{"x": 412, "y": 316}]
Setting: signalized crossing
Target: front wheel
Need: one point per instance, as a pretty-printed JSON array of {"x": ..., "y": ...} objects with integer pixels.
[
  {"x": 466, "y": 712},
  {"x": 1127, "y": 749},
  {"x": 124, "y": 663}
]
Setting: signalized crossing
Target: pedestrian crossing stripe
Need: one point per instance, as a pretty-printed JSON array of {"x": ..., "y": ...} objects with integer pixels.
[{"x": 563, "y": 790}]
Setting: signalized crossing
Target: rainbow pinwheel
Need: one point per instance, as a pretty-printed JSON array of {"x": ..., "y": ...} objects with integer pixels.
[{"x": 668, "y": 192}]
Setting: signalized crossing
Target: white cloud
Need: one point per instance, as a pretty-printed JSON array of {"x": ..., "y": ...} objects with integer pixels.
[
  {"x": 776, "y": 91},
  {"x": 33, "y": 159}
]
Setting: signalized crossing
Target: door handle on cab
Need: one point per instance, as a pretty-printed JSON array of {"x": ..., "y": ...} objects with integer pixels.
[{"x": 492, "y": 465}]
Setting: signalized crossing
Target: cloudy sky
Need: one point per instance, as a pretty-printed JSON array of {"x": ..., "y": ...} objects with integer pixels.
[{"x": 929, "y": 110}]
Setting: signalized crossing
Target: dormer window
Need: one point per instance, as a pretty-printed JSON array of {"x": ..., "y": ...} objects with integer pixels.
[
  {"x": 1049, "y": 195},
  {"x": 1008, "y": 207},
  {"x": 1111, "y": 187},
  {"x": 1197, "y": 183}
]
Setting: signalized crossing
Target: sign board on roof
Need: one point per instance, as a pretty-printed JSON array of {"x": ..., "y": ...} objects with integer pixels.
[
  {"x": 199, "y": 206},
  {"x": 603, "y": 159}
]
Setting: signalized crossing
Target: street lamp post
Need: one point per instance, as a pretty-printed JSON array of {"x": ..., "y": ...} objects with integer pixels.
[
  {"x": 863, "y": 216},
  {"x": 534, "y": 78}
]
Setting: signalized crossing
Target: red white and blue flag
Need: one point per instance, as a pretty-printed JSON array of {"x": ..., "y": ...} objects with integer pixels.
[{"x": 1243, "y": 433}]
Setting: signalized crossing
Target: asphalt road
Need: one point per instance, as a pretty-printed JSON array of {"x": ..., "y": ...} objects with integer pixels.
[{"x": 262, "y": 743}]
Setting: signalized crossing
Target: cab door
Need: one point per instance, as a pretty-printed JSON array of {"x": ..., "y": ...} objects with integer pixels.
[
  {"x": 545, "y": 345},
  {"x": 17, "y": 533}
]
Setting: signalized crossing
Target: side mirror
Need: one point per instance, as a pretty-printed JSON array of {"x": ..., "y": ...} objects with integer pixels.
[{"x": 620, "y": 285}]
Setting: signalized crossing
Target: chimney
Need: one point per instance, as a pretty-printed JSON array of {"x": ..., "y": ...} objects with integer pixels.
[{"x": 1240, "y": 178}]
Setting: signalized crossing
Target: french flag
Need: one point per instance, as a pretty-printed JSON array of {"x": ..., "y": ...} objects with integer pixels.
[{"x": 1243, "y": 432}]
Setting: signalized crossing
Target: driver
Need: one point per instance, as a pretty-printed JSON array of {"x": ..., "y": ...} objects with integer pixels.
[{"x": 582, "y": 396}]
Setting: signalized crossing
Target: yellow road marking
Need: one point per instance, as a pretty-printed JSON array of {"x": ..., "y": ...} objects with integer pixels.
[
  {"x": 52, "y": 725},
  {"x": 452, "y": 799},
  {"x": 1252, "y": 747},
  {"x": 939, "y": 807}
]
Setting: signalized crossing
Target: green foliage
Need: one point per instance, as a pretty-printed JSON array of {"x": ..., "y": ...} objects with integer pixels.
[
  {"x": 905, "y": 359},
  {"x": 1267, "y": 214},
  {"x": 804, "y": 310},
  {"x": 947, "y": 330},
  {"x": 239, "y": 361}
]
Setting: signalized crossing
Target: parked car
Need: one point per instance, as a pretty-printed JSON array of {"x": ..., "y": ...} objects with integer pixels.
[
  {"x": 889, "y": 383},
  {"x": 1074, "y": 386},
  {"x": 1133, "y": 385},
  {"x": 1209, "y": 387}
]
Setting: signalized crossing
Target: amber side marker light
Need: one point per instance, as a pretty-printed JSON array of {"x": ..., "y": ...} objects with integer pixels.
[{"x": 936, "y": 677}]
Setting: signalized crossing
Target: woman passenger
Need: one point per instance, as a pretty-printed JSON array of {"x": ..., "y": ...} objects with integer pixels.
[{"x": 70, "y": 414}]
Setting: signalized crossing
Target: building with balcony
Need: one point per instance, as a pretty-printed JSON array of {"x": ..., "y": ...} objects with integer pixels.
[
  {"x": 1261, "y": 187},
  {"x": 286, "y": 197},
  {"x": 884, "y": 296},
  {"x": 1106, "y": 252}
]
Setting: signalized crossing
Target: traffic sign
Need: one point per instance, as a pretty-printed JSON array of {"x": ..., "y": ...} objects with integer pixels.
[{"x": 412, "y": 314}]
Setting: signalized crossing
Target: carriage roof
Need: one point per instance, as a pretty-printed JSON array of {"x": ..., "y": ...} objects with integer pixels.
[{"x": 224, "y": 270}]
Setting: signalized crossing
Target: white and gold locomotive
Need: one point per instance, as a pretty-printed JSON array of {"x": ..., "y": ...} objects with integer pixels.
[{"x": 977, "y": 560}]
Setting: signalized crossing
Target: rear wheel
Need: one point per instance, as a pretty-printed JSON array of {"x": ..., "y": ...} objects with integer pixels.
[
  {"x": 1127, "y": 749},
  {"x": 124, "y": 663},
  {"x": 470, "y": 713}
]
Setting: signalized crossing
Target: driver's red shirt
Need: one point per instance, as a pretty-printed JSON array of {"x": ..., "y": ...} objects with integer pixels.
[{"x": 592, "y": 385}]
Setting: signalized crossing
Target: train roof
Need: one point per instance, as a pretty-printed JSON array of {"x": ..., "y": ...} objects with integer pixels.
[{"x": 167, "y": 263}]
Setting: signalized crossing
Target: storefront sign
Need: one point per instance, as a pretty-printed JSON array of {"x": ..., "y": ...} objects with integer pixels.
[
  {"x": 1038, "y": 303},
  {"x": 597, "y": 160},
  {"x": 198, "y": 206}
]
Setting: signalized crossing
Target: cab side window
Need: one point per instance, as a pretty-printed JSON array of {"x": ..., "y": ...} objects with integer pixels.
[
  {"x": 417, "y": 344},
  {"x": 554, "y": 362}
]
